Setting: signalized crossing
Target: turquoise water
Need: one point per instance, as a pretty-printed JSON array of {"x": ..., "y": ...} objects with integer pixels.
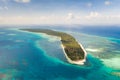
[{"x": 30, "y": 56}]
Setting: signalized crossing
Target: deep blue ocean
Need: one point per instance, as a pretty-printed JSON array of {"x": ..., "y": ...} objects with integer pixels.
[
  {"x": 107, "y": 31},
  {"x": 32, "y": 56}
]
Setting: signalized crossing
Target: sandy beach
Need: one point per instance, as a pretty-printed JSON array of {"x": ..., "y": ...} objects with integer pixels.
[{"x": 79, "y": 62}]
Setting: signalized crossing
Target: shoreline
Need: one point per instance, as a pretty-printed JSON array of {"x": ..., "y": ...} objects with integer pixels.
[
  {"x": 79, "y": 62},
  {"x": 62, "y": 39}
]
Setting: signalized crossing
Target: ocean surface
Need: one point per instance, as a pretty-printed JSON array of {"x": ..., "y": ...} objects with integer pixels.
[{"x": 36, "y": 56}]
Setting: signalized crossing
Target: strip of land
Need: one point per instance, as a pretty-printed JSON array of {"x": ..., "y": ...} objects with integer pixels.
[{"x": 73, "y": 51}]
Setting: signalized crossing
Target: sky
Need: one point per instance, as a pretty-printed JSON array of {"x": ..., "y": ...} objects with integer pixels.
[{"x": 83, "y": 12}]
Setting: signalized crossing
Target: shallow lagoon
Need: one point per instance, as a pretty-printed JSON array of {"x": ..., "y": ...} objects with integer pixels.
[{"x": 31, "y": 56}]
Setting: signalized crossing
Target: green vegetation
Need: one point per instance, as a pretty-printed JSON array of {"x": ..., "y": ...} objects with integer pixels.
[{"x": 71, "y": 46}]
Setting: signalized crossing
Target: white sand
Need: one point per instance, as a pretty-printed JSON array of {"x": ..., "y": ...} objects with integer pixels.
[{"x": 79, "y": 62}]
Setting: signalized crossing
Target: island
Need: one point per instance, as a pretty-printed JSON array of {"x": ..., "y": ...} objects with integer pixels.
[{"x": 74, "y": 51}]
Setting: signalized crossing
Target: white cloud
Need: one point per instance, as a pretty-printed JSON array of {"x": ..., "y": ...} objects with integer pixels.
[
  {"x": 94, "y": 14},
  {"x": 70, "y": 16},
  {"x": 107, "y": 3},
  {"x": 33, "y": 20},
  {"x": 93, "y": 18},
  {"x": 89, "y": 4},
  {"x": 96, "y": 18},
  {"x": 22, "y": 1}
]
